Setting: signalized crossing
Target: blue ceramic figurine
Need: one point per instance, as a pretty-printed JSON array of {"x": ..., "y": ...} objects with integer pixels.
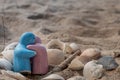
[{"x": 22, "y": 55}]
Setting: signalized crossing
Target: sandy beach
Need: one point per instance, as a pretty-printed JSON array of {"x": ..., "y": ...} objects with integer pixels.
[{"x": 89, "y": 23}]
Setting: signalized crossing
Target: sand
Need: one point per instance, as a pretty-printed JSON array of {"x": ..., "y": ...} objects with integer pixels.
[{"x": 89, "y": 23}]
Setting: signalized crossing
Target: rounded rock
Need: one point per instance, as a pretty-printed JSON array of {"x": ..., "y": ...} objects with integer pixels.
[
  {"x": 108, "y": 62},
  {"x": 55, "y": 56},
  {"x": 9, "y": 51},
  {"x": 55, "y": 44},
  {"x": 77, "y": 78},
  {"x": 92, "y": 70},
  {"x": 5, "y": 64},
  {"x": 90, "y": 54},
  {"x": 53, "y": 77},
  {"x": 76, "y": 64}
]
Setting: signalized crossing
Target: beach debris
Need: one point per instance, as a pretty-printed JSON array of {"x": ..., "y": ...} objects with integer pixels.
[
  {"x": 5, "y": 64},
  {"x": 77, "y": 78},
  {"x": 9, "y": 51},
  {"x": 53, "y": 77},
  {"x": 76, "y": 64},
  {"x": 92, "y": 70},
  {"x": 55, "y": 56},
  {"x": 14, "y": 75},
  {"x": 108, "y": 62},
  {"x": 90, "y": 54}
]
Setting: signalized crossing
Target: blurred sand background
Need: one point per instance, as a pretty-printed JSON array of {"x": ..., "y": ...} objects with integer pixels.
[{"x": 89, "y": 23}]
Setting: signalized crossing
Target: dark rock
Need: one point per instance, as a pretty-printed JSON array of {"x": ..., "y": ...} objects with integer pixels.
[{"x": 108, "y": 62}]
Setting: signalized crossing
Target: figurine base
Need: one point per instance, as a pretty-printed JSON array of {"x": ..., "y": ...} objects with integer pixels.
[{"x": 25, "y": 72}]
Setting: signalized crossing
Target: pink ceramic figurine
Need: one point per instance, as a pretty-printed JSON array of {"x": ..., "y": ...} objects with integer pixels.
[{"x": 40, "y": 61}]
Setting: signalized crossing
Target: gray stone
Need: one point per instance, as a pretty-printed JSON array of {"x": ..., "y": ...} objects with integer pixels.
[{"x": 108, "y": 62}]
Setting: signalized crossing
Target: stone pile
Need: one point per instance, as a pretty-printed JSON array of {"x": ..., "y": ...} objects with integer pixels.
[{"x": 89, "y": 65}]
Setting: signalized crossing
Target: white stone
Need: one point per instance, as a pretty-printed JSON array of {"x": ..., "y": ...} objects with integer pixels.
[
  {"x": 92, "y": 70},
  {"x": 53, "y": 77},
  {"x": 5, "y": 64}
]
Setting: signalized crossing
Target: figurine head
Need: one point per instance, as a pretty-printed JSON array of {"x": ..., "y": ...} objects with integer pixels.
[
  {"x": 27, "y": 38},
  {"x": 37, "y": 40}
]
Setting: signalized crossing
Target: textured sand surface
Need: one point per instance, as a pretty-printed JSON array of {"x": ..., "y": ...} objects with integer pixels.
[{"x": 89, "y": 23}]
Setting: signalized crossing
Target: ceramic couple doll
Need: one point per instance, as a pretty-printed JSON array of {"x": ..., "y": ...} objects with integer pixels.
[
  {"x": 29, "y": 47},
  {"x": 39, "y": 61}
]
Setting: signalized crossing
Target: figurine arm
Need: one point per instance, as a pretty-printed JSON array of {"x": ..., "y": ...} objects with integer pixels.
[
  {"x": 26, "y": 53},
  {"x": 31, "y": 53},
  {"x": 32, "y": 47}
]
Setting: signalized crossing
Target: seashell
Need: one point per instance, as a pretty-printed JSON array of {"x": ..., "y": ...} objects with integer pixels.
[
  {"x": 90, "y": 54},
  {"x": 9, "y": 51},
  {"x": 5, "y": 64},
  {"x": 77, "y": 78},
  {"x": 14, "y": 75},
  {"x": 55, "y": 56},
  {"x": 74, "y": 47},
  {"x": 92, "y": 70},
  {"x": 53, "y": 77},
  {"x": 108, "y": 62},
  {"x": 76, "y": 64}
]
